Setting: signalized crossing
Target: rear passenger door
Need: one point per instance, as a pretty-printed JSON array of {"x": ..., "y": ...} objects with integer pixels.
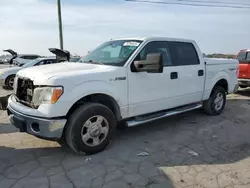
[{"x": 191, "y": 72}]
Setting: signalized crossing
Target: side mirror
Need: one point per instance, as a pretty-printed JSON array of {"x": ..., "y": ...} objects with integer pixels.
[{"x": 152, "y": 64}]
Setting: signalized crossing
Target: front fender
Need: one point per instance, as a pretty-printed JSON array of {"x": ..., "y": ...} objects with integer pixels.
[
  {"x": 115, "y": 90},
  {"x": 94, "y": 87}
]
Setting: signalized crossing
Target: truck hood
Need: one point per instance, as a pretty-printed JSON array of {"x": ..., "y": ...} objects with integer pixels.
[{"x": 61, "y": 70}]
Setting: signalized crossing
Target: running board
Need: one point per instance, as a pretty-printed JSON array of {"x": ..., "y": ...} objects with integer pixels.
[{"x": 152, "y": 117}]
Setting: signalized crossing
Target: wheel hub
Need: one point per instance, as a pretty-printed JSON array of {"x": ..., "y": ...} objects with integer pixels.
[
  {"x": 218, "y": 101},
  {"x": 95, "y": 130}
]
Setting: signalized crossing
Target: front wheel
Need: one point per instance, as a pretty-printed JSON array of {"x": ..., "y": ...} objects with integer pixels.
[
  {"x": 216, "y": 103},
  {"x": 10, "y": 81},
  {"x": 90, "y": 128}
]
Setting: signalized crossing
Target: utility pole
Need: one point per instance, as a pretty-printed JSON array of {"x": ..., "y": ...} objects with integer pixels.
[{"x": 60, "y": 23}]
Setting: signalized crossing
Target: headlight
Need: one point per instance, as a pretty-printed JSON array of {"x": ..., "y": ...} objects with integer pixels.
[
  {"x": 1, "y": 73},
  {"x": 46, "y": 95}
]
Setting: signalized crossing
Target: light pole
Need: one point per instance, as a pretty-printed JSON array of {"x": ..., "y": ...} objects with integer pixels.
[{"x": 60, "y": 23}]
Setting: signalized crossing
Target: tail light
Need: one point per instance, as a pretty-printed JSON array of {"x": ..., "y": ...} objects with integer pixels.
[{"x": 238, "y": 72}]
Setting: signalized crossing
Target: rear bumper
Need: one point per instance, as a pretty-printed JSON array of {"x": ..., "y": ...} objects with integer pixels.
[
  {"x": 51, "y": 129},
  {"x": 244, "y": 82},
  {"x": 236, "y": 88}
]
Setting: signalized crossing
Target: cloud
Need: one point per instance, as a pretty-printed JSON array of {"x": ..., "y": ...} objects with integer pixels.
[{"x": 31, "y": 26}]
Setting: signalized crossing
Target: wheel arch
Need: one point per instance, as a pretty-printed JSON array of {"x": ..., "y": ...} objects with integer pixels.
[
  {"x": 101, "y": 98},
  {"x": 222, "y": 83},
  {"x": 6, "y": 79}
]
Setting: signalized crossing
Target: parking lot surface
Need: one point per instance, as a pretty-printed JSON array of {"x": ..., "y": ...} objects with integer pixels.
[{"x": 191, "y": 150}]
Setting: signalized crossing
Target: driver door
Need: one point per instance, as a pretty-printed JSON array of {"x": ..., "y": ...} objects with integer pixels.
[{"x": 151, "y": 92}]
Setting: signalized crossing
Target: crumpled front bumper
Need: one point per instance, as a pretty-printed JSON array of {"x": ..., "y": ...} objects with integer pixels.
[{"x": 51, "y": 129}]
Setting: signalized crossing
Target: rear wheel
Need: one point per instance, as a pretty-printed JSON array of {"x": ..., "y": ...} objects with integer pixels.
[
  {"x": 216, "y": 103},
  {"x": 10, "y": 81},
  {"x": 90, "y": 128}
]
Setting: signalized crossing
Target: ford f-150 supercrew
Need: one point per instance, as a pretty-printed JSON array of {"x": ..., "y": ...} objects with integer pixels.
[{"x": 122, "y": 82}]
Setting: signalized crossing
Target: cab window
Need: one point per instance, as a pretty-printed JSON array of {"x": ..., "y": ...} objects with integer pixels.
[
  {"x": 183, "y": 53},
  {"x": 156, "y": 47}
]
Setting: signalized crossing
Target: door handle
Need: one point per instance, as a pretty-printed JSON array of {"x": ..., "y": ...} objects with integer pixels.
[
  {"x": 173, "y": 75},
  {"x": 200, "y": 72}
]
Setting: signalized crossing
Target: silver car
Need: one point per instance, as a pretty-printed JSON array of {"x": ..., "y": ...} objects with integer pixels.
[{"x": 7, "y": 75}]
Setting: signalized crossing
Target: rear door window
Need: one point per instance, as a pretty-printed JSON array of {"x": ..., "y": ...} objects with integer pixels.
[{"x": 184, "y": 53}]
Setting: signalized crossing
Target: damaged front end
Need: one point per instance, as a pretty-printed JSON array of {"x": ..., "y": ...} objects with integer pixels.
[{"x": 23, "y": 91}]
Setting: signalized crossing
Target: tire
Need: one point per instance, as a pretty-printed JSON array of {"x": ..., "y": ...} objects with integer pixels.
[
  {"x": 10, "y": 81},
  {"x": 243, "y": 87},
  {"x": 210, "y": 107},
  {"x": 122, "y": 125},
  {"x": 62, "y": 142},
  {"x": 84, "y": 122}
]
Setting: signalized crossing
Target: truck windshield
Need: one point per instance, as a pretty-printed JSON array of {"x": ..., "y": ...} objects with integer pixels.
[{"x": 114, "y": 53}]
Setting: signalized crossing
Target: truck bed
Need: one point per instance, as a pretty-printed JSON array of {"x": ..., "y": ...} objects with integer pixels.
[
  {"x": 227, "y": 70},
  {"x": 219, "y": 61}
]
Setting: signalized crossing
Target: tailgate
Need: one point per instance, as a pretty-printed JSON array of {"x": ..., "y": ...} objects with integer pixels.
[{"x": 244, "y": 69}]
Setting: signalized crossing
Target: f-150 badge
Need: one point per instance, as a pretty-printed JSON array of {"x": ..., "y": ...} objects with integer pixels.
[{"x": 118, "y": 79}]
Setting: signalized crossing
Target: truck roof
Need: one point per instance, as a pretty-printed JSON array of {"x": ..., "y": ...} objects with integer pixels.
[
  {"x": 245, "y": 50},
  {"x": 155, "y": 38}
]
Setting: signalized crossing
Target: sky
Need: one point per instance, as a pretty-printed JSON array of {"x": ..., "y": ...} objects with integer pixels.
[{"x": 31, "y": 26}]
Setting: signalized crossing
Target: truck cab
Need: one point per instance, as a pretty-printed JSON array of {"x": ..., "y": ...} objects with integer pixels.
[{"x": 244, "y": 68}]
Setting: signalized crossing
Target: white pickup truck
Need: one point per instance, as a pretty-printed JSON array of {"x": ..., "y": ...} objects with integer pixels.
[{"x": 122, "y": 82}]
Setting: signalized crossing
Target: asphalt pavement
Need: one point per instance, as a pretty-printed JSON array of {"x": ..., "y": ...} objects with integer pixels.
[{"x": 191, "y": 150}]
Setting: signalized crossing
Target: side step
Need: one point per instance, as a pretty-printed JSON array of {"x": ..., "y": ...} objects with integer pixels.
[{"x": 151, "y": 117}]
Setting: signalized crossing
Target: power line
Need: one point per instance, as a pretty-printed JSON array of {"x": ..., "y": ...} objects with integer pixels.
[
  {"x": 189, "y": 4},
  {"x": 213, "y": 2}
]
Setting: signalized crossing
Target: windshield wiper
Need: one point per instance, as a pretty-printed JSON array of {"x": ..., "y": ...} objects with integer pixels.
[{"x": 95, "y": 62}]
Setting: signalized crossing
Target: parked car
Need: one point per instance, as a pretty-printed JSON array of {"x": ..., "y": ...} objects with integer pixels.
[
  {"x": 6, "y": 60},
  {"x": 244, "y": 68},
  {"x": 7, "y": 75},
  {"x": 20, "y": 59},
  {"x": 74, "y": 59},
  {"x": 122, "y": 82}
]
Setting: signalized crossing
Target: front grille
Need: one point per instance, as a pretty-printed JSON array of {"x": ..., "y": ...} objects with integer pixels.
[{"x": 24, "y": 91}]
